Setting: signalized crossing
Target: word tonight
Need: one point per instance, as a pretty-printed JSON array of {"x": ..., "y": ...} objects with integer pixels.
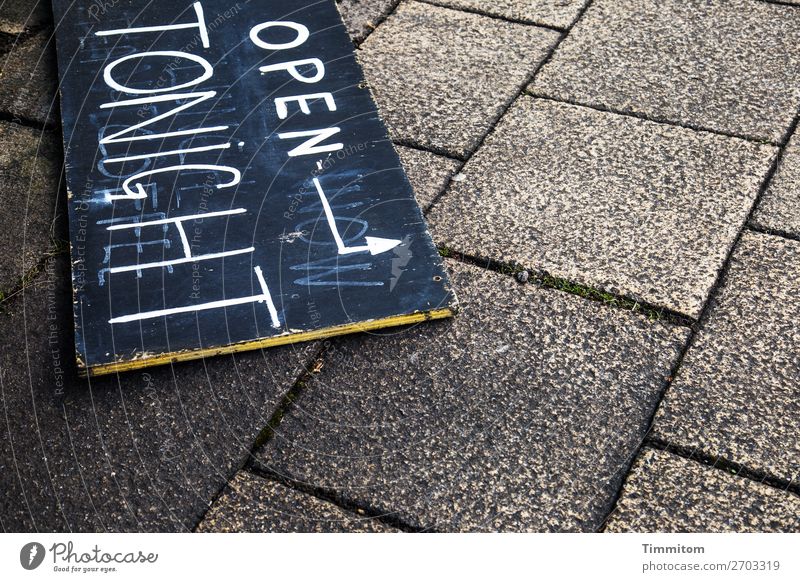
[{"x": 66, "y": 553}]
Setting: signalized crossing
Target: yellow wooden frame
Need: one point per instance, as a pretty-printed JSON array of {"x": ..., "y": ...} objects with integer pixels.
[{"x": 288, "y": 338}]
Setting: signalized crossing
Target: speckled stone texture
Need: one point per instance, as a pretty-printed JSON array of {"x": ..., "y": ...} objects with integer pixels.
[
  {"x": 442, "y": 77},
  {"x": 30, "y": 162},
  {"x": 667, "y": 493},
  {"x": 558, "y": 13},
  {"x": 779, "y": 209},
  {"x": 143, "y": 451},
  {"x": 737, "y": 394},
  {"x": 28, "y": 79},
  {"x": 726, "y": 65},
  {"x": 428, "y": 173},
  {"x": 522, "y": 413},
  {"x": 633, "y": 207},
  {"x": 17, "y": 16},
  {"x": 253, "y": 504},
  {"x": 361, "y": 16}
]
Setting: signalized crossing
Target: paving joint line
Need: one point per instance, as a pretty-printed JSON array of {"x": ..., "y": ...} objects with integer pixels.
[
  {"x": 779, "y": 3},
  {"x": 676, "y": 365},
  {"x": 8, "y": 42},
  {"x": 330, "y": 496},
  {"x": 374, "y": 25},
  {"x": 509, "y": 19},
  {"x": 10, "y": 39},
  {"x": 660, "y": 121},
  {"x": 722, "y": 464},
  {"x": 421, "y": 148},
  {"x": 704, "y": 314},
  {"x": 774, "y": 232},
  {"x": 266, "y": 433},
  {"x": 410, "y": 143},
  {"x": 288, "y": 400},
  {"x": 15, "y": 119},
  {"x": 29, "y": 277},
  {"x": 545, "y": 280},
  {"x": 511, "y": 102}
]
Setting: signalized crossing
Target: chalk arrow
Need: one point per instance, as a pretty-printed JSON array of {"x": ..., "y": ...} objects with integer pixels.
[{"x": 375, "y": 244}]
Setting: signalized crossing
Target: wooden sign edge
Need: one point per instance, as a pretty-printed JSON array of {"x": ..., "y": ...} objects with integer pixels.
[{"x": 274, "y": 341}]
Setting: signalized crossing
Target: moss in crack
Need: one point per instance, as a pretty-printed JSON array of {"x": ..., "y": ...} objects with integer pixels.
[
  {"x": 551, "y": 282},
  {"x": 543, "y": 279},
  {"x": 287, "y": 402},
  {"x": 57, "y": 247}
]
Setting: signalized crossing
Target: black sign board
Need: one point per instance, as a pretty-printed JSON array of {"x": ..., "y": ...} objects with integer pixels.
[{"x": 231, "y": 185}]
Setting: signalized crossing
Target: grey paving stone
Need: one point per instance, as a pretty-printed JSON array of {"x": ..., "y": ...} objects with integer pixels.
[
  {"x": 30, "y": 163},
  {"x": 442, "y": 77},
  {"x": 779, "y": 208},
  {"x": 737, "y": 394},
  {"x": 28, "y": 79},
  {"x": 520, "y": 414},
  {"x": 725, "y": 65},
  {"x": 428, "y": 173},
  {"x": 143, "y": 451},
  {"x": 361, "y": 16},
  {"x": 253, "y": 504},
  {"x": 667, "y": 493},
  {"x": 633, "y": 207},
  {"x": 17, "y": 16},
  {"x": 558, "y": 13}
]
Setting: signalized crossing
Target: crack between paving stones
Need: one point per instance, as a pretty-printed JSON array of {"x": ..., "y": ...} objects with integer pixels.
[
  {"x": 8, "y": 42},
  {"x": 774, "y": 232},
  {"x": 778, "y": 3},
  {"x": 723, "y": 464},
  {"x": 547, "y": 281},
  {"x": 648, "y": 427},
  {"x": 479, "y": 12},
  {"x": 513, "y": 99},
  {"x": 521, "y": 91},
  {"x": 29, "y": 278},
  {"x": 287, "y": 402},
  {"x": 268, "y": 431},
  {"x": 431, "y": 149},
  {"x": 660, "y": 120},
  {"x": 373, "y": 26},
  {"x": 704, "y": 315},
  {"x": 330, "y": 496},
  {"x": 252, "y": 465},
  {"x": 15, "y": 119},
  {"x": 406, "y": 143}
]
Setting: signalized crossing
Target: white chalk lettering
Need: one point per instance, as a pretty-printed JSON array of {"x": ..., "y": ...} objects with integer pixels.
[
  {"x": 200, "y": 24},
  {"x": 302, "y": 35},
  {"x": 193, "y": 99},
  {"x": 222, "y": 146},
  {"x": 172, "y": 220},
  {"x": 302, "y": 101},
  {"x": 140, "y": 193},
  {"x": 291, "y": 67},
  {"x": 208, "y": 71},
  {"x": 263, "y": 297},
  {"x": 310, "y": 147}
]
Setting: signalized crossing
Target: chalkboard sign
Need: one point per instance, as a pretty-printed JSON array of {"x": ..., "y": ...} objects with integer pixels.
[{"x": 230, "y": 183}]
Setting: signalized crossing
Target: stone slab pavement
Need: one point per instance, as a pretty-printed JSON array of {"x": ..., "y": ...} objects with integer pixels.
[
  {"x": 779, "y": 210},
  {"x": 614, "y": 185}
]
